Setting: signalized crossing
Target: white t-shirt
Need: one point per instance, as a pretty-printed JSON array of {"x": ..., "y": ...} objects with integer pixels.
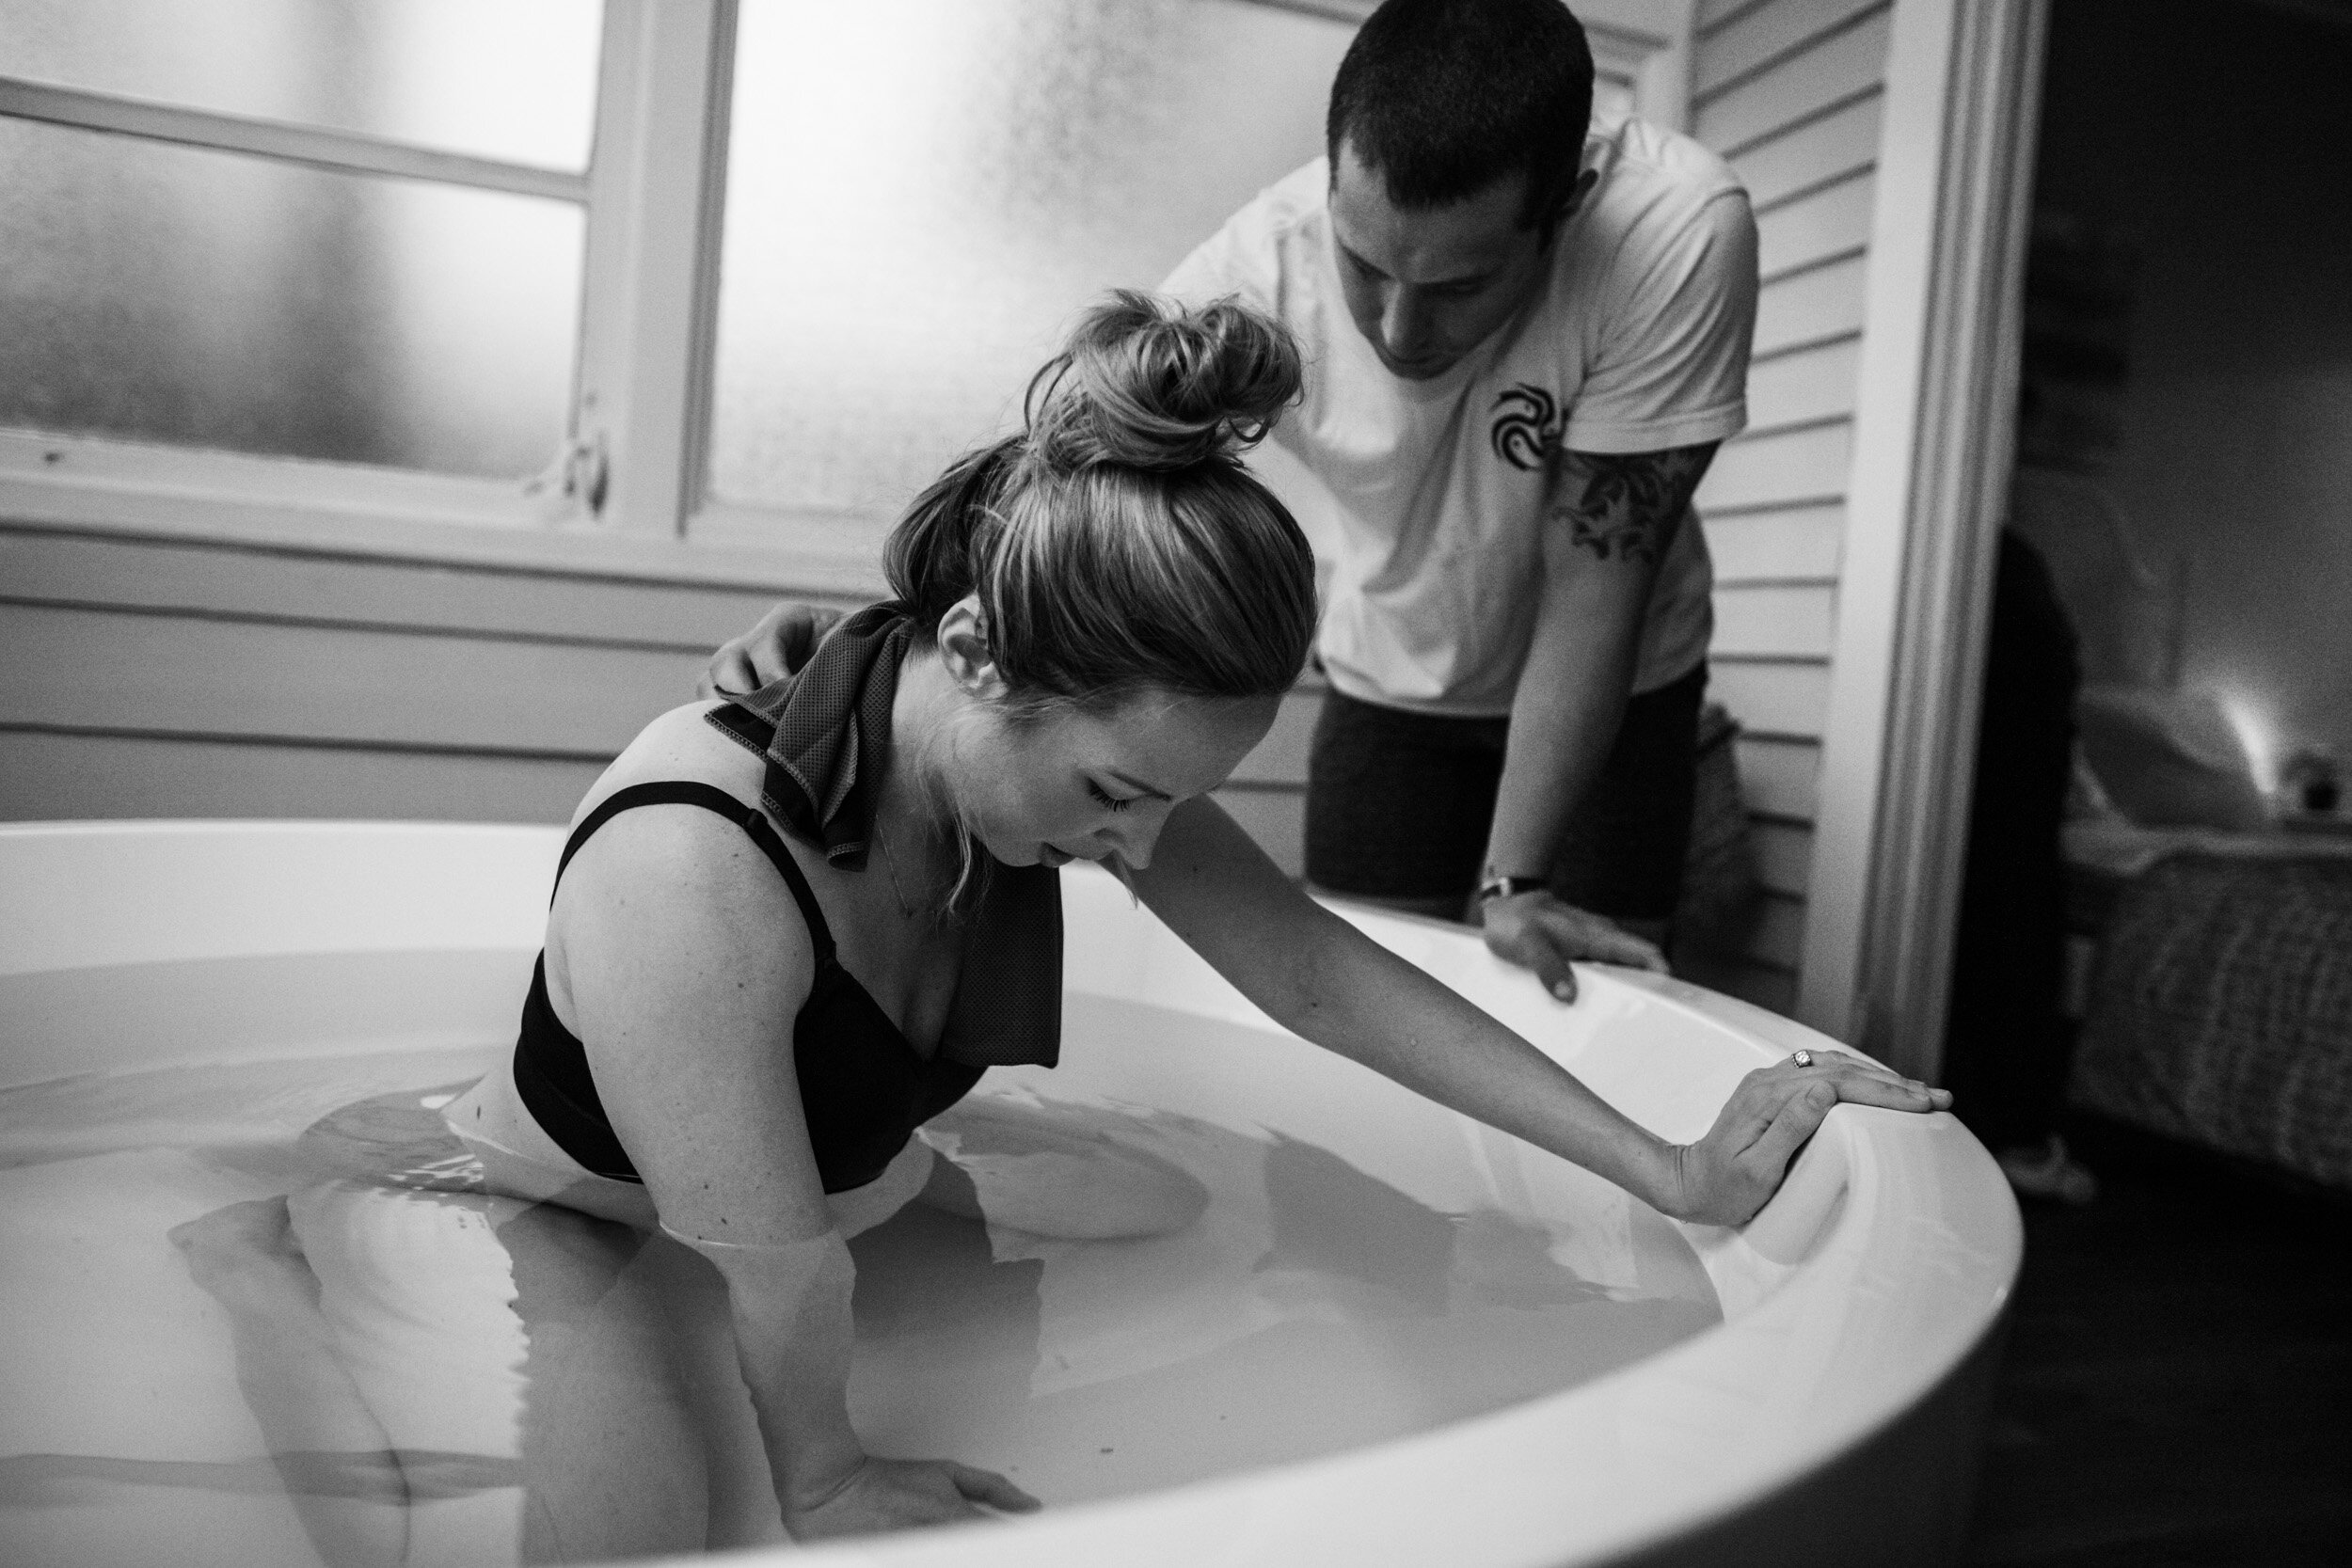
[{"x": 1638, "y": 343}]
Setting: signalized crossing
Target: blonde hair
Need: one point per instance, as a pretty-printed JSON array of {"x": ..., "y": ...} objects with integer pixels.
[{"x": 1117, "y": 544}]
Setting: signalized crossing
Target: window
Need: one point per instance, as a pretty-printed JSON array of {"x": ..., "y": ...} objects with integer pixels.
[
  {"x": 921, "y": 193},
  {"x": 466, "y": 258},
  {"x": 359, "y": 245}
]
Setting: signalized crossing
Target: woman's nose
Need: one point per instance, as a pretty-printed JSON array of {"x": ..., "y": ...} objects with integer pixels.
[{"x": 1137, "y": 833}]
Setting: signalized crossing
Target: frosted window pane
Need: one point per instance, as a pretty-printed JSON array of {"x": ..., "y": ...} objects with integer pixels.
[
  {"x": 509, "y": 79},
  {"x": 921, "y": 193},
  {"x": 166, "y": 293}
]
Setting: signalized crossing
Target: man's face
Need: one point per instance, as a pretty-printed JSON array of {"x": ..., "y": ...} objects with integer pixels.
[{"x": 1427, "y": 285}]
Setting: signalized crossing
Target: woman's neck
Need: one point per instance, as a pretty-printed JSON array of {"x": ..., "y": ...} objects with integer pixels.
[{"x": 915, "y": 805}]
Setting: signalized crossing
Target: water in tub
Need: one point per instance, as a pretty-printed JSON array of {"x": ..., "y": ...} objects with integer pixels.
[{"x": 262, "y": 1312}]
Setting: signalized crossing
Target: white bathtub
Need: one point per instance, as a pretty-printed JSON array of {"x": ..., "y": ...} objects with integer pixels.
[{"x": 1833, "y": 1416}]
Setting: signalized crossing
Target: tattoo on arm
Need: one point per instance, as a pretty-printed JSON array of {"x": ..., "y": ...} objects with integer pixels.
[{"x": 1629, "y": 502}]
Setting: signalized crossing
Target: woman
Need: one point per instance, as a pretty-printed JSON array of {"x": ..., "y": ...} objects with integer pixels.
[{"x": 1094, "y": 622}]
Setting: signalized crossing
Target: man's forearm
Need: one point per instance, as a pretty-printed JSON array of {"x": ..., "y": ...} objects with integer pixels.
[
  {"x": 1611, "y": 523},
  {"x": 1563, "y": 719}
]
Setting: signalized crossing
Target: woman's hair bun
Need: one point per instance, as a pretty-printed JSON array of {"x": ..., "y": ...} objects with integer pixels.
[{"x": 1147, "y": 383}]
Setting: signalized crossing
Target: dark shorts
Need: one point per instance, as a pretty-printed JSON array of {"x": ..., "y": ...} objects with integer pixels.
[{"x": 1398, "y": 804}]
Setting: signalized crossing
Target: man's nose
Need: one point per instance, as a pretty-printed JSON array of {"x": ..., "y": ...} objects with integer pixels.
[{"x": 1404, "y": 323}]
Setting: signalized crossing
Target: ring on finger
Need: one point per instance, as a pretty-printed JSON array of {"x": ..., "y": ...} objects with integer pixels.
[{"x": 1802, "y": 1058}]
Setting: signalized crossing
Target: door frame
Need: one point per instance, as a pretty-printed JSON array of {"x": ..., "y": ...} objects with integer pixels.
[{"x": 1934, "y": 437}]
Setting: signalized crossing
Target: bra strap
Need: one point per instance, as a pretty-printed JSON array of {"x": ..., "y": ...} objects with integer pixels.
[{"x": 687, "y": 792}]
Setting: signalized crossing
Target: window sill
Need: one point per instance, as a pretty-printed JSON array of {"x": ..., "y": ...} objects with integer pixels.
[{"x": 323, "y": 510}]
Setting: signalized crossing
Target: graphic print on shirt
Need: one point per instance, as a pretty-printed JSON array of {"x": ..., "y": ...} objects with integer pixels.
[{"x": 1529, "y": 427}]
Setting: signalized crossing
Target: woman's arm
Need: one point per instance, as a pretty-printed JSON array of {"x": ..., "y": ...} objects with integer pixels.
[
  {"x": 1327, "y": 982},
  {"x": 685, "y": 964}
]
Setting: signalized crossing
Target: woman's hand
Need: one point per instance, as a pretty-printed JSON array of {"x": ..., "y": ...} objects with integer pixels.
[
  {"x": 1725, "y": 1177},
  {"x": 1539, "y": 931},
  {"x": 779, "y": 644},
  {"x": 901, "y": 1494}
]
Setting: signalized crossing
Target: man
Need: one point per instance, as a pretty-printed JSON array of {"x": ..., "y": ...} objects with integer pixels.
[{"x": 1526, "y": 335}]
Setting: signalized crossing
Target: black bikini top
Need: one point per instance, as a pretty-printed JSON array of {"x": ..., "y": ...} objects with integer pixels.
[{"x": 864, "y": 1088}]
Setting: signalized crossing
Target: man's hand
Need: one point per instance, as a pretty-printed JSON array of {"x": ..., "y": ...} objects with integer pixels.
[
  {"x": 779, "y": 644},
  {"x": 1539, "y": 931}
]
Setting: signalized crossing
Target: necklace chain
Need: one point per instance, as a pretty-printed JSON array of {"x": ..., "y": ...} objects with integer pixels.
[{"x": 890, "y": 868}]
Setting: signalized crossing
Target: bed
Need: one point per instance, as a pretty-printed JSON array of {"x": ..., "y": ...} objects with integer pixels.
[
  {"x": 2210, "y": 942},
  {"x": 2214, "y": 988}
]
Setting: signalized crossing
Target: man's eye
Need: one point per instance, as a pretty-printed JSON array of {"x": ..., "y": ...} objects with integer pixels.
[{"x": 1108, "y": 802}]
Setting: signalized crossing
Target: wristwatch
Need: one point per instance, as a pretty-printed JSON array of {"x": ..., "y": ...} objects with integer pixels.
[{"x": 1507, "y": 887}]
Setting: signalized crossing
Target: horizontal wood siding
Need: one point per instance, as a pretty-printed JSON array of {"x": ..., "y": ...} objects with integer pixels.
[
  {"x": 1836, "y": 147},
  {"x": 74, "y": 774},
  {"x": 1782, "y": 699},
  {"x": 171, "y": 679},
  {"x": 1743, "y": 46},
  {"x": 1789, "y": 91},
  {"x": 1795, "y": 544},
  {"x": 1806, "y": 387},
  {"x": 1818, "y": 306},
  {"x": 1829, "y": 223},
  {"x": 1829, "y": 72},
  {"x": 1775, "y": 620},
  {"x": 1267, "y": 793},
  {"x": 148, "y": 678},
  {"x": 1772, "y": 466}
]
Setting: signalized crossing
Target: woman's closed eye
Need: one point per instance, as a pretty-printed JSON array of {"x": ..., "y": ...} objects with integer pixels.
[{"x": 1106, "y": 799}]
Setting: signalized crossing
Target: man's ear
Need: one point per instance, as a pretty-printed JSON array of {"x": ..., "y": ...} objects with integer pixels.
[
  {"x": 1570, "y": 201},
  {"x": 964, "y": 651},
  {"x": 1578, "y": 191}
]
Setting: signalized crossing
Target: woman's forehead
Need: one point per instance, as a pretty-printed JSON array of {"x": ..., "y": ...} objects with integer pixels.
[{"x": 1164, "y": 733}]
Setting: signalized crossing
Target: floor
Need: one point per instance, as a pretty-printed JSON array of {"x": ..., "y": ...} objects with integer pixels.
[{"x": 2178, "y": 1383}]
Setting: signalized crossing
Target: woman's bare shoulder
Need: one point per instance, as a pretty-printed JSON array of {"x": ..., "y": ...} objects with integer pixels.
[
  {"x": 681, "y": 744},
  {"x": 677, "y": 881}
]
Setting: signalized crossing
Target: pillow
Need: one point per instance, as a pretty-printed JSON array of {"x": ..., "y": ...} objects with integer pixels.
[{"x": 2169, "y": 758}]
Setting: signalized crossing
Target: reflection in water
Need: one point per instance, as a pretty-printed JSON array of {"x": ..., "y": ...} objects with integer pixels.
[
  {"x": 1330, "y": 1218},
  {"x": 374, "y": 1475},
  {"x": 348, "y": 1351}
]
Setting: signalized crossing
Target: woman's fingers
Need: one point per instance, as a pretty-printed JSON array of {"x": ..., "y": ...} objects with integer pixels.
[
  {"x": 987, "y": 1486},
  {"x": 1865, "y": 1083},
  {"x": 1796, "y": 1118},
  {"x": 1736, "y": 1166},
  {"x": 895, "y": 1493}
]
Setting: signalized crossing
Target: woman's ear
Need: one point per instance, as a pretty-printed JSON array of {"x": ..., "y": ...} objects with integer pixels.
[{"x": 963, "y": 649}]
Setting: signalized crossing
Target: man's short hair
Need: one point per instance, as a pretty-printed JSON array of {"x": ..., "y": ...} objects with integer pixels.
[{"x": 1442, "y": 98}]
